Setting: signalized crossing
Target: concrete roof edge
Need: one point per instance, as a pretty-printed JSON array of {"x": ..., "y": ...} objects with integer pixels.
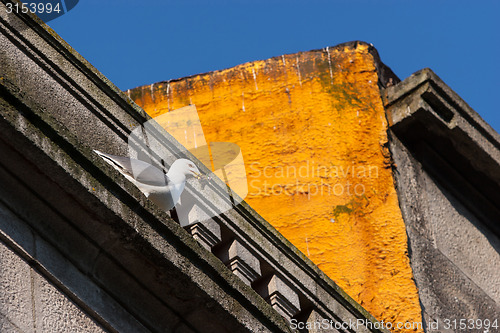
[
  {"x": 449, "y": 139},
  {"x": 397, "y": 92}
]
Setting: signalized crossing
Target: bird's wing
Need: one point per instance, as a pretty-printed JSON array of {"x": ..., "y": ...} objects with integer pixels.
[{"x": 141, "y": 171}]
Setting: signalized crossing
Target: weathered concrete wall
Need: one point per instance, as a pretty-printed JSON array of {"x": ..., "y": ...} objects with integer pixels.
[
  {"x": 29, "y": 301},
  {"x": 448, "y": 180},
  {"x": 312, "y": 130}
]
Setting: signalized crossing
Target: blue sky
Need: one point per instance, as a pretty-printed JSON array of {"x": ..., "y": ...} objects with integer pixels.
[{"x": 135, "y": 42}]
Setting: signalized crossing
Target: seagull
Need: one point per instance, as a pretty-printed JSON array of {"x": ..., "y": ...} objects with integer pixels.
[{"x": 163, "y": 189}]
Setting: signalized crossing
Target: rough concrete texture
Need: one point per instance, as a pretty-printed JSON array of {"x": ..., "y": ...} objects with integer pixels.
[
  {"x": 95, "y": 238},
  {"x": 31, "y": 303},
  {"x": 448, "y": 168},
  {"x": 312, "y": 130}
]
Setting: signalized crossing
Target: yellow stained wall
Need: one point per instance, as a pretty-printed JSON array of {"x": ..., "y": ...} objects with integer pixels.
[{"x": 312, "y": 130}]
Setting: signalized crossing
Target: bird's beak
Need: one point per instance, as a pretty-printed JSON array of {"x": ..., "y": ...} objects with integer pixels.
[{"x": 197, "y": 175}]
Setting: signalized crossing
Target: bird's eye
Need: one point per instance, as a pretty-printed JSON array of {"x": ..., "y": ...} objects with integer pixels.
[{"x": 190, "y": 165}]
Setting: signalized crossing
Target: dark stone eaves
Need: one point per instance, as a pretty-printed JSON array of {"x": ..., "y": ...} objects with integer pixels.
[{"x": 450, "y": 139}]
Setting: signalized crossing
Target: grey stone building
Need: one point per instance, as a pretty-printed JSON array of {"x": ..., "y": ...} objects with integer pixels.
[{"x": 448, "y": 184}]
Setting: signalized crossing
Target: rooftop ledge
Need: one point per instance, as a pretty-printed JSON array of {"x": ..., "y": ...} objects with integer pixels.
[
  {"x": 450, "y": 140},
  {"x": 95, "y": 236}
]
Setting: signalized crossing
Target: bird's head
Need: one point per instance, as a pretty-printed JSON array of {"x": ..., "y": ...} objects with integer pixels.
[{"x": 188, "y": 168}]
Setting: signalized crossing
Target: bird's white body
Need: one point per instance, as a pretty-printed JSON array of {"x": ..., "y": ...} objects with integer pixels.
[{"x": 163, "y": 189}]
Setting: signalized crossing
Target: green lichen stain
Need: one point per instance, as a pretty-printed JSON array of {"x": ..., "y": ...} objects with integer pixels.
[{"x": 356, "y": 206}]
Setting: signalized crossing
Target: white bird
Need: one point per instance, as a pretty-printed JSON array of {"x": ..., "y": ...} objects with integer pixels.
[{"x": 163, "y": 189}]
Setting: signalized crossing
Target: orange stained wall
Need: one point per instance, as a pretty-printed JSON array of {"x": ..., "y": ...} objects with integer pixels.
[{"x": 312, "y": 130}]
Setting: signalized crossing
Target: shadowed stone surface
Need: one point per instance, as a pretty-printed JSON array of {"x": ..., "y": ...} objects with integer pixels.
[{"x": 448, "y": 179}]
